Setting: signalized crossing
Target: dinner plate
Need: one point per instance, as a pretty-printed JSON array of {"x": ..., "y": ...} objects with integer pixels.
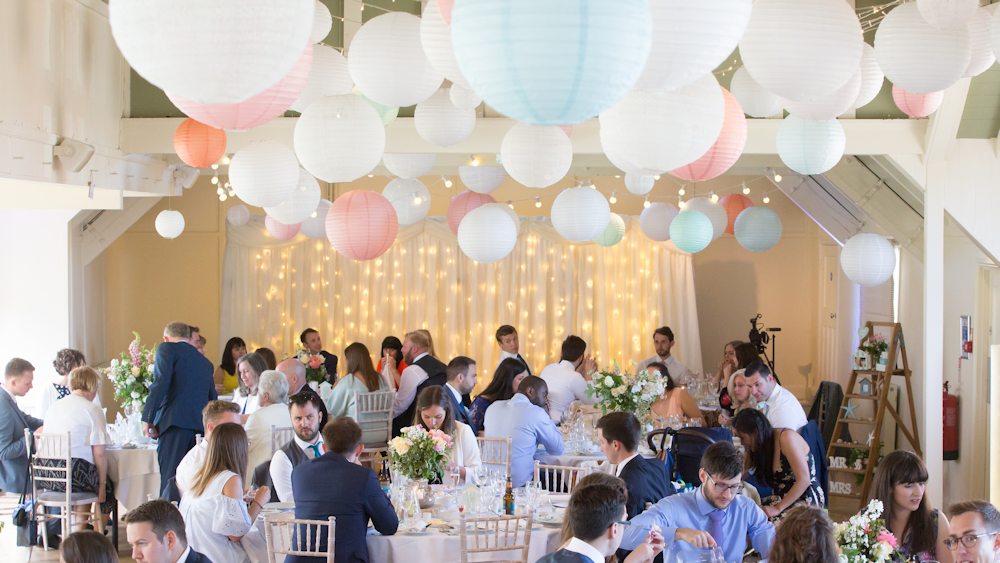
[{"x": 280, "y": 505}]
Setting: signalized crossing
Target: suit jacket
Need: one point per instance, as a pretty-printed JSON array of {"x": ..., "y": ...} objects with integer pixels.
[
  {"x": 330, "y": 485},
  {"x": 13, "y": 450},
  {"x": 323, "y": 415},
  {"x": 182, "y": 386},
  {"x": 647, "y": 480},
  {"x": 564, "y": 556},
  {"x": 460, "y": 410},
  {"x": 436, "y": 375},
  {"x": 195, "y": 557},
  {"x": 330, "y": 363}
]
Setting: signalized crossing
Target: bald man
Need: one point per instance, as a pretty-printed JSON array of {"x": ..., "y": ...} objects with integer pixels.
[{"x": 295, "y": 372}]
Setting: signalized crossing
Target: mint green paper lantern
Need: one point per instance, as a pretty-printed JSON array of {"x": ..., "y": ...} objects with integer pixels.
[
  {"x": 691, "y": 231},
  {"x": 614, "y": 233},
  {"x": 757, "y": 229}
]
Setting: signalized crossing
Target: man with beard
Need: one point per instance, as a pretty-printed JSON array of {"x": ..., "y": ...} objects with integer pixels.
[
  {"x": 307, "y": 443},
  {"x": 525, "y": 419},
  {"x": 663, "y": 342},
  {"x": 423, "y": 371}
]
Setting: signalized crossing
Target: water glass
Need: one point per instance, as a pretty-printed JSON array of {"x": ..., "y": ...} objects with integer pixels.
[{"x": 455, "y": 473}]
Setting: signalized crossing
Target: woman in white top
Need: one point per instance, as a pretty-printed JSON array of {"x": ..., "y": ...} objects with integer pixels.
[
  {"x": 361, "y": 378},
  {"x": 215, "y": 515},
  {"x": 248, "y": 367},
  {"x": 272, "y": 392},
  {"x": 434, "y": 411},
  {"x": 66, "y": 361},
  {"x": 77, "y": 415}
]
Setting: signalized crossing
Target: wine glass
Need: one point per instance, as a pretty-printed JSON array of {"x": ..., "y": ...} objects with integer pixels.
[
  {"x": 455, "y": 473},
  {"x": 479, "y": 476}
]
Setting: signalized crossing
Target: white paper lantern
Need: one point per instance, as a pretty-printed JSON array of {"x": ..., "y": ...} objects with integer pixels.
[
  {"x": 868, "y": 259},
  {"x": 871, "y": 77},
  {"x": 613, "y": 233},
  {"x": 264, "y": 173},
  {"x": 506, "y": 209},
  {"x": 757, "y": 229},
  {"x": 218, "y": 52},
  {"x": 388, "y": 62},
  {"x": 486, "y": 234},
  {"x": 328, "y": 77},
  {"x": 655, "y": 220},
  {"x": 829, "y": 106},
  {"x": 409, "y": 165},
  {"x": 715, "y": 212},
  {"x": 301, "y": 204},
  {"x": 410, "y": 198},
  {"x": 982, "y": 49},
  {"x": 918, "y": 57},
  {"x": 611, "y": 142},
  {"x": 755, "y": 101},
  {"x": 170, "y": 224},
  {"x": 388, "y": 114},
  {"x": 339, "y": 138},
  {"x": 322, "y": 23},
  {"x": 435, "y": 37},
  {"x": 691, "y": 231},
  {"x": 639, "y": 185},
  {"x": 551, "y": 63},
  {"x": 464, "y": 98},
  {"x": 440, "y": 123},
  {"x": 948, "y": 14},
  {"x": 537, "y": 156},
  {"x": 238, "y": 215},
  {"x": 810, "y": 147},
  {"x": 279, "y": 230},
  {"x": 580, "y": 214},
  {"x": 801, "y": 50},
  {"x": 482, "y": 179},
  {"x": 314, "y": 226},
  {"x": 691, "y": 39},
  {"x": 667, "y": 130}
]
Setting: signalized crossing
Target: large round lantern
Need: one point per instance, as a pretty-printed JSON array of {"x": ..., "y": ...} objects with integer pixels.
[
  {"x": 169, "y": 224},
  {"x": 361, "y": 225},
  {"x": 734, "y": 204},
  {"x": 328, "y": 76},
  {"x": 758, "y": 229},
  {"x": 691, "y": 231},
  {"x": 514, "y": 217},
  {"x": 715, "y": 212},
  {"x": 871, "y": 77},
  {"x": 810, "y": 147},
  {"x": 199, "y": 145},
  {"x": 264, "y": 173},
  {"x": 916, "y": 105},
  {"x": 238, "y": 215},
  {"x": 388, "y": 62},
  {"x": 612, "y": 141},
  {"x": 580, "y": 214},
  {"x": 755, "y": 101},
  {"x": 218, "y": 52},
  {"x": 613, "y": 233},
  {"x": 435, "y": 36},
  {"x": 322, "y": 23},
  {"x": 386, "y": 113},
  {"x": 339, "y": 138},
  {"x": 639, "y": 185},
  {"x": 482, "y": 179},
  {"x": 726, "y": 150},
  {"x": 409, "y": 165},
  {"x": 918, "y": 57},
  {"x": 487, "y": 234},
  {"x": 948, "y": 14},
  {"x": 462, "y": 204},
  {"x": 279, "y": 230},
  {"x": 440, "y": 123},
  {"x": 828, "y": 106},
  {"x": 868, "y": 259},
  {"x": 655, "y": 220},
  {"x": 463, "y": 97},
  {"x": 982, "y": 49},
  {"x": 536, "y": 155},
  {"x": 551, "y": 63},
  {"x": 301, "y": 204},
  {"x": 410, "y": 198},
  {"x": 314, "y": 226}
]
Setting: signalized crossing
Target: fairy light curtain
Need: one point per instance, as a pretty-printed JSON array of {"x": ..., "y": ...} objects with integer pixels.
[{"x": 548, "y": 288}]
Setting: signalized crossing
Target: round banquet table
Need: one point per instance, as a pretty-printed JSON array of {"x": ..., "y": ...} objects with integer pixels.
[{"x": 135, "y": 473}]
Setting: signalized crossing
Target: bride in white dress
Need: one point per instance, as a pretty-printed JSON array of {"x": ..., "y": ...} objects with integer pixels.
[{"x": 215, "y": 515}]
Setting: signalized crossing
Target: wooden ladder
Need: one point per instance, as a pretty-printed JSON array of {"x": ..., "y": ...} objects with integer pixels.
[{"x": 880, "y": 381}]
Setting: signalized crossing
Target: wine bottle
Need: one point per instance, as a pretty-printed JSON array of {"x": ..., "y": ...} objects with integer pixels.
[
  {"x": 508, "y": 499},
  {"x": 384, "y": 478}
]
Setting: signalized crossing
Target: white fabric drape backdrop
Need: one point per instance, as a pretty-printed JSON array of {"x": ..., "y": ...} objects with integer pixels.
[{"x": 548, "y": 288}]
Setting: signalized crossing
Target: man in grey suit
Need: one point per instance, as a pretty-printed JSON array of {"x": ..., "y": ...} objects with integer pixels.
[{"x": 18, "y": 378}]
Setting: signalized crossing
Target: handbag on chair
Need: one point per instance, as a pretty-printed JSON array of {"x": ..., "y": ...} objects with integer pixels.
[{"x": 27, "y": 527}]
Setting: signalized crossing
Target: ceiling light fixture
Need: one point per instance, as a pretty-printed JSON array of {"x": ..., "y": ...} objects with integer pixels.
[
  {"x": 746, "y": 189},
  {"x": 613, "y": 199},
  {"x": 646, "y": 203},
  {"x": 538, "y": 201}
]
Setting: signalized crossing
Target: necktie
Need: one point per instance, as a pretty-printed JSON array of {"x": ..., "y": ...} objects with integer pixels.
[
  {"x": 315, "y": 449},
  {"x": 715, "y": 525},
  {"x": 763, "y": 408}
]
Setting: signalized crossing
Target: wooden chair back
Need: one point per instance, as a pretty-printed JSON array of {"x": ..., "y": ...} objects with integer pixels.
[
  {"x": 561, "y": 479},
  {"x": 280, "y": 436},
  {"x": 373, "y": 413},
  {"x": 496, "y": 534},
  {"x": 288, "y": 536},
  {"x": 495, "y": 452}
]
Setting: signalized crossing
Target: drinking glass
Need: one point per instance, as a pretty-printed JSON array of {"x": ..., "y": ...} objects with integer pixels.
[
  {"x": 520, "y": 501},
  {"x": 479, "y": 476},
  {"x": 455, "y": 473}
]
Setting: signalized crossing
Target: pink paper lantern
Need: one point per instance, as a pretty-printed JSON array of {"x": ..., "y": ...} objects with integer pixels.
[
  {"x": 361, "y": 225},
  {"x": 734, "y": 204},
  {"x": 916, "y": 105},
  {"x": 444, "y": 6},
  {"x": 259, "y": 109},
  {"x": 279, "y": 230},
  {"x": 464, "y": 203},
  {"x": 726, "y": 150},
  {"x": 568, "y": 129}
]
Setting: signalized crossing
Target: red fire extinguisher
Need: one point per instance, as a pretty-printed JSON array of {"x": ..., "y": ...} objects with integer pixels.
[{"x": 950, "y": 425}]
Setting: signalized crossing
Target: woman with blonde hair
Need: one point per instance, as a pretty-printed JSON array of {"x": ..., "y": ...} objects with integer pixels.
[
  {"x": 805, "y": 536},
  {"x": 430, "y": 341}
]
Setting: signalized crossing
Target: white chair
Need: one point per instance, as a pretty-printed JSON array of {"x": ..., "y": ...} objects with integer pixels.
[
  {"x": 499, "y": 533},
  {"x": 560, "y": 479},
  {"x": 495, "y": 451},
  {"x": 279, "y": 437},
  {"x": 373, "y": 413},
  {"x": 287, "y": 536}
]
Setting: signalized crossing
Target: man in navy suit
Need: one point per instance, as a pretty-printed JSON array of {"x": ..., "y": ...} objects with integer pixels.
[
  {"x": 647, "y": 480},
  {"x": 334, "y": 484},
  {"x": 462, "y": 378},
  {"x": 156, "y": 532},
  {"x": 18, "y": 378},
  {"x": 182, "y": 387}
]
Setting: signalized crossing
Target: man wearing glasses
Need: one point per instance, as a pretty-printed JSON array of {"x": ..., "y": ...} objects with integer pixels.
[
  {"x": 714, "y": 515},
  {"x": 975, "y": 532}
]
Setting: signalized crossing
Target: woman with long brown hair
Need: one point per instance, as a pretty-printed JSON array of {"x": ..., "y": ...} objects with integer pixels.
[
  {"x": 899, "y": 483},
  {"x": 340, "y": 400},
  {"x": 506, "y": 378},
  {"x": 806, "y": 535},
  {"x": 433, "y": 411}
]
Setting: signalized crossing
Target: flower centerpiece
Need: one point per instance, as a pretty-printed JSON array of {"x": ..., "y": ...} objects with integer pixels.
[
  {"x": 875, "y": 346},
  {"x": 621, "y": 391},
  {"x": 864, "y": 538},
  {"x": 315, "y": 368},
  {"x": 132, "y": 374},
  {"x": 420, "y": 454}
]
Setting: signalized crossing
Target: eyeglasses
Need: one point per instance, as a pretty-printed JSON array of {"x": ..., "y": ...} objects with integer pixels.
[
  {"x": 624, "y": 523},
  {"x": 720, "y": 489},
  {"x": 968, "y": 541}
]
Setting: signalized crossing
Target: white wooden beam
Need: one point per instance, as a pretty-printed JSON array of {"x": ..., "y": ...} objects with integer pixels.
[{"x": 25, "y": 194}]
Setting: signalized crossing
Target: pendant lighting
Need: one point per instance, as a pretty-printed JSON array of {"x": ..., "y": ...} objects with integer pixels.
[
  {"x": 264, "y": 173},
  {"x": 328, "y": 76},
  {"x": 462, "y": 204},
  {"x": 409, "y": 165},
  {"x": 315, "y": 227},
  {"x": 169, "y": 224},
  {"x": 714, "y": 211},
  {"x": 868, "y": 259},
  {"x": 613, "y": 233},
  {"x": 361, "y": 225},
  {"x": 691, "y": 231},
  {"x": 238, "y": 215},
  {"x": 301, "y": 204},
  {"x": 810, "y": 147},
  {"x": 482, "y": 179},
  {"x": 199, "y": 145},
  {"x": 758, "y": 229},
  {"x": 755, "y": 100},
  {"x": 388, "y": 63},
  {"x": 537, "y": 156},
  {"x": 734, "y": 204},
  {"x": 279, "y": 230},
  {"x": 339, "y": 138},
  {"x": 410, "y": 198},
  {"x": 655, "y": 220},
  {"x": 487, "y": 234},
  {"x": 726, "y": 150},
  {"x": 639, "y": 185},
  {"x": 871, "y": 77},
  {"x": 440, "y": 123},
  {"x": 918, "y": 57},
  {"x": 580, "y": 214},
  {"x": 916, "y": 105}
]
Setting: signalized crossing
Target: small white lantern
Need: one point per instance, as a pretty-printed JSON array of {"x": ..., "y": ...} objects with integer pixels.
[
  {"x": 613, "y": 233},
  {"x": 655, "y": 220},
  {"x": 917, "y": 56},
  {"x": 435, "y": 37},
  {"x": 829, "y": 106},
  {"x": 279, "y": 230},
  {"x": 948, "y": 14},
  {"x": 982, "y": 49},
  {"x": 486, "y": 234},
  {"x": 580, "y": 214},
  {"x": 328, "y": 76},
  {"x": 639, "y": 185},
  {"x": 322, "y": 23},
  {"x": 410, "y": 198},
  {"x": 314, "y": 226},
  {"x": 440, "y": 123},
  {"x": 464, "y": 98},
  {"x": 388, "y": 62},
  {"x": 170, "y": 224},
  {"x": 482, "y": 179},
  {"x": 871, "y": 77},
  {"x": 238, "y": 215},
  {"x": 810, "y": 147},
  {"x": 868, "y": 259},
  {"x": 757, "y": 229},
  {"x": 537, "y": 155},
  {"x": 755, "y": 100},
  {"x": 301, "y": 204},
  {"x": 339, "y": 138},
  {"x": 409, "y": 165},
  {"x": 714, "y": 211},
  {"x": 264, "y": 173}
]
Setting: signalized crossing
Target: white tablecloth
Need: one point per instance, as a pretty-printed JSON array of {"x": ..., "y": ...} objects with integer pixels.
[
  {"x": 569, "y": 460},
  {"x": 135, "y": 473}
]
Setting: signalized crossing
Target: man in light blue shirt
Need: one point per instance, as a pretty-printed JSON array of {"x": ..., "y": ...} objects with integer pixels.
[
  {"x": 715, "y": 514},
  {"x": 525, "y": 418}
]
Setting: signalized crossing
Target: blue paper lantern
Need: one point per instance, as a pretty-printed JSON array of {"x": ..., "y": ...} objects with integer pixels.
[
  {"x": 551, "y": 62},
  {"x": 614, "y": 233},
  {"x": 757, "y": 229},
  {"x": 691, "y": 231}
]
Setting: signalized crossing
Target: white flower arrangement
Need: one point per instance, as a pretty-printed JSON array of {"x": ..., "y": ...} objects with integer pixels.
[
  {"x": 621, "y": 391},
  {"x": 864, "y": 538}
]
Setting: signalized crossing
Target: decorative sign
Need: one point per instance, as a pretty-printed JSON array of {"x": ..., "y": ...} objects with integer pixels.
[
  {"x": 838, "y": 463},
  {"x": 841, "y": 488}
]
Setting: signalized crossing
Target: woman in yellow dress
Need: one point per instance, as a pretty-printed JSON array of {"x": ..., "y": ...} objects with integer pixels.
[{"x": 226, "y": 380}]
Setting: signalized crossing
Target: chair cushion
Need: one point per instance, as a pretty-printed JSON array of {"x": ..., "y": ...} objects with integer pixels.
[{"x": 60, "y": 498}]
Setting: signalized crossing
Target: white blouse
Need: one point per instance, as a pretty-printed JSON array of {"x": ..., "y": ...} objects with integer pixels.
[
  {"x": 83, "y": 420},
  {"x": 465, "y": 452},
  {"x": 209, "y": 520},
  {"x": 258, "y": 428}
]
